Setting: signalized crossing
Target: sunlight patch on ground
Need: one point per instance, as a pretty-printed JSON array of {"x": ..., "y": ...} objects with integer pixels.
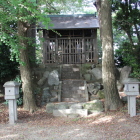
[
  {"x": 80, "y": 134},
  {"x": 105, "y": 119},
  {"x": 9, "y": 136},
  {"x": 77, "y": 129},
  {"x": 121, "y": 120},
  {"x": 76, "y": 132},
  {"x": 68, "y": 132}
]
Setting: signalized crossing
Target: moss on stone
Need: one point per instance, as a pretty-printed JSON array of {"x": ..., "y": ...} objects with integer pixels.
[{"x": 100, "y": 94}]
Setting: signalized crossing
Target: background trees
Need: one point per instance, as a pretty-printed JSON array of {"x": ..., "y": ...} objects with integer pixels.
[
  {"x": 127, "y": 22},
  {"x": 7, "y": 74}
]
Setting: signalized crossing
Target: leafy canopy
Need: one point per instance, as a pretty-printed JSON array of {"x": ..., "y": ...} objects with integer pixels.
[{"x": 126, "y": 23}]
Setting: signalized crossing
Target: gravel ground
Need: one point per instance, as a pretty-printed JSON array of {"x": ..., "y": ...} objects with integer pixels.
[{"x": 42, "y": 126}]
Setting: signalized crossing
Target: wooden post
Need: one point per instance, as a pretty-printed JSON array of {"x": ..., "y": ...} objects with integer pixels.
[
  {"x": 95, "y": 46},
  {"x": 40, "y": 34},
  {"x": 83, "y": 47},
  {"x": 56, "y": 51}
]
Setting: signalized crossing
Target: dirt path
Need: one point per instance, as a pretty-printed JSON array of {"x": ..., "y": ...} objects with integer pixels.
[
  {"x": 43, "y": 126},
  {"x": 70, "y": 132}
]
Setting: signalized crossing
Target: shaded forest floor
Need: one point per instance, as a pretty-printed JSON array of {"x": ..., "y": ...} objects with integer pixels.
[{"x": 42, "y": 126}]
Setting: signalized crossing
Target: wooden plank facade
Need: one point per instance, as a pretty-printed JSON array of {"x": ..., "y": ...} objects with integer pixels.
[{"x": 70, "y": 45}]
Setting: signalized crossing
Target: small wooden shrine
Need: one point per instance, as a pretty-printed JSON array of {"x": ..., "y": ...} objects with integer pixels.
[{"x": 71, "y": 40}]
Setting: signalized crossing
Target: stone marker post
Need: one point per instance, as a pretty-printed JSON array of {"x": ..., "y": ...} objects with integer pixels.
[
  {"x": 11, "y": 94},
  {"x": 131, "y": 90}
]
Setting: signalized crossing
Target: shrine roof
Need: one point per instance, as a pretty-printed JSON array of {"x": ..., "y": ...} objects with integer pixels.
[{"x": 80, "y": 21}]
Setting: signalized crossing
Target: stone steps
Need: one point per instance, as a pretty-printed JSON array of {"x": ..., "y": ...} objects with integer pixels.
[
  {"x": 70, "y": 72},
  {"x": 74, "y": 90},
  {"x": 72, "y": 110},
  {"x": 67, "y": 109}
]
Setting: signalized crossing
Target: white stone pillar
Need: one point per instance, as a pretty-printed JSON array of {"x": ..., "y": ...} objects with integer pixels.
[
  {"x": 131, "y": 90},
  {"x": 131, "y": 105},
  {"x": 11, "y": 94},
  {"x": 11, "y": 111},
  {"x": 15, "y": 109}
]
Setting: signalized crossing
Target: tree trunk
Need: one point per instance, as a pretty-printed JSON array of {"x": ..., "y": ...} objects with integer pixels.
[
  {"x": 25, "y": 70},
  {"x": 112, "y": 99},
  {"x": 31, "y": 34},
  {"x": 137, "y": 33},
  {"x": 129, "y": 36}
]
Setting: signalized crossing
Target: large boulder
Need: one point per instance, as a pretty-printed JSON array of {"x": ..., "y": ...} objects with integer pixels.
[
  {"x": 43, "y": 79},
  {"x": 46, "y": 96},
  {"x": 76, "y": 106},
  {"x": 124, "y": 74},
  {"x": 46, "y": 74},
  {"x": 55, "y": 106},
  {"x": 54, "y": 99},
  {"x": 129, "y": 80},
  {"x": 94, "y": 106},
  {"x": 54, "y": 93},
  {"x": 93, "y": 88},
  {"x": 97, "y": 72},
  {"x": 101, "y": 94},
  {"x": 53, "y": 78},
  {"x": 117, "y": 73},
  {"x": 50, "y": 107},
  {"x": 87, "y": 77},
  {"x": 93, "y": 97}
]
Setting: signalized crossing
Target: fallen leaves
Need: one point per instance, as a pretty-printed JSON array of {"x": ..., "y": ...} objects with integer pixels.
[{"x": 117, "y": 125}]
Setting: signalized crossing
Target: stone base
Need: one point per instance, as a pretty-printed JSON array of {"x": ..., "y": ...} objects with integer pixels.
[
  {"x": 68, "y": 112},
  {"x": 72, "y": 109}
]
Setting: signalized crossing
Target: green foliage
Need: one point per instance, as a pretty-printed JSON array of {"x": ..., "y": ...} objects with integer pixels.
[
  {"x": 127, "y": 17},
  {"x": 20, "y": 99},
  {"x": 28, "y": 11},
  {"x": 101, "y": 94},
  {"x": 70, "y": 7},
  {"x": 11, "y": 13},
  {"x": 18, "y": 79},
  {"x": 66, "y": 6},
  {"x": 127, "y": 37},
  {"x": 9, "y": 69},
  {"x": 129, "y": 56},
  {"x": 85, "y": 67}
]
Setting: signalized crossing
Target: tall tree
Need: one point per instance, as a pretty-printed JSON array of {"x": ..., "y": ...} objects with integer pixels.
[
  {"x": 112, "y": 99},
  {"x": 25, "y": 70},
  {"x": 22, "y": 14}
]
